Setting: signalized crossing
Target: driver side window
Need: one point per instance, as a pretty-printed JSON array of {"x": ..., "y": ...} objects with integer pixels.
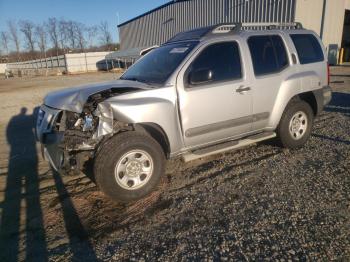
[{"x": 216, "y": 63}]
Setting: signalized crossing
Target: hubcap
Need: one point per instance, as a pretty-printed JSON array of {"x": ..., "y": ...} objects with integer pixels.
[
  {"x": 134, "y": 169},
  {"x": 298, "y": 125}
]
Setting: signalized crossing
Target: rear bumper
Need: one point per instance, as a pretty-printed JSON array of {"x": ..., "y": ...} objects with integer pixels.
[
  {"x": 323, "y": 97},
  {"x": 327, "y": 95}
]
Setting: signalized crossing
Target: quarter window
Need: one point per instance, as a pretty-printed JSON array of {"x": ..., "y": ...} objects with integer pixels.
[
  {"x": 268, "y": 53},
  {"x": 308, "y": 48},
  {"x": 221, "y": 60}
]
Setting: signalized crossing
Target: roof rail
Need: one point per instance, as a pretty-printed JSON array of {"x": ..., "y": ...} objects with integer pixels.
[
  {"x": 259, "y": 26},
  {"x": 226, "y": 28}
]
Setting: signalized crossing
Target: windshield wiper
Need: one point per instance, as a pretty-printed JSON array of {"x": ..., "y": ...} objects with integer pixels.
[{"x": 136, "y": 79}]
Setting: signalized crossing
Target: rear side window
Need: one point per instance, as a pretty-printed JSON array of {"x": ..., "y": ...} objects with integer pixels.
[
  {"x": 308, "y": 48},
  {"x": 268, "y": 53},
  {"x": 222, "y": 59}
]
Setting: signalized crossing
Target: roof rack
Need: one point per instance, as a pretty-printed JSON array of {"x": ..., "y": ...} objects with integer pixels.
[
  {"x": 226, "y": 28},
  {"x": 269, "y": 26},
  {"x": 231, "y": 28}
]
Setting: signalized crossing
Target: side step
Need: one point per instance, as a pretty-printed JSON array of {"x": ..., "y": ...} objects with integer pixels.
[{"x": 230, "y": 145}]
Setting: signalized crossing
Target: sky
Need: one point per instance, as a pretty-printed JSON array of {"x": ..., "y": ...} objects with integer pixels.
[{"x": 89, "y": 12}]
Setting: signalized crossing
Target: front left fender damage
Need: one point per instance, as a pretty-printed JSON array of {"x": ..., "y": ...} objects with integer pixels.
[{"x": 75, "y": 137}]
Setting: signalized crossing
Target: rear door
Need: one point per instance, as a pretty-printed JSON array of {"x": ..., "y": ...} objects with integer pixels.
[
  {"x": 311, "y": 58},
  {"x": 271, "y": 66},
  {"x": 220, "y": 108}
]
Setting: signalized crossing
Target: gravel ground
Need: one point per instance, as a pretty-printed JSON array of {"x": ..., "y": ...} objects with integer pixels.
[{"x": 258, "y": 203}]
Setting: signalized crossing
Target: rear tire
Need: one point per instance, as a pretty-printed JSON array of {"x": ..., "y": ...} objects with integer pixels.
[
  {"x": 129, "y": 166},
  {"x": 295, "y": 125}
]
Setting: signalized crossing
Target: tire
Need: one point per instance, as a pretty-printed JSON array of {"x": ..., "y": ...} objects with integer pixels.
[
  {"x": 294, "y": 134},
  {"x": 129, "y": 166}
]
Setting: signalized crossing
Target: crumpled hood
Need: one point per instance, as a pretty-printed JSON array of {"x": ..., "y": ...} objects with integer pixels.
[{"x": 74, "y": 98}]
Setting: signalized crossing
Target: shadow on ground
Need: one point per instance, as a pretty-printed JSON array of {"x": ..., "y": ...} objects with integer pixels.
[
  {"x": 22, "y": 212},
  {"x": 340, "y": 103}
]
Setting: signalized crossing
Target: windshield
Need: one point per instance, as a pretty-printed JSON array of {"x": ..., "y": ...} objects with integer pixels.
[{"x": 157, "y": 66}]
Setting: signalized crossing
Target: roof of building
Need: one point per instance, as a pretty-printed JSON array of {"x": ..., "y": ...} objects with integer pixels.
[
  {"x": 151, "y": 11},
  {"x": 132, "y": 53}
]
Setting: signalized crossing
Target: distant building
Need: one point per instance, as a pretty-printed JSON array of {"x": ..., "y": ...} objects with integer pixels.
[{"x": 329, "y": 18}]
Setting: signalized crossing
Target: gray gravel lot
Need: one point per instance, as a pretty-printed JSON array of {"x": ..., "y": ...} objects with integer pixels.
[{"x": 258, "y": 203}]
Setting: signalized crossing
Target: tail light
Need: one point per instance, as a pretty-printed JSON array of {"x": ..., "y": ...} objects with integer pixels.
[{"x": 328, "y": 74}]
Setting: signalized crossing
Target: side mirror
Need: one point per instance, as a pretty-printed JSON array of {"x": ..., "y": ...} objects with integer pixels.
[{"x": 200, "y": 76}]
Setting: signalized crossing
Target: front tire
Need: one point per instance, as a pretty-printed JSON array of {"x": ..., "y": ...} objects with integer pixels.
[
  {"x": 129, "y": 166},
  {"x": 295, "y": 125}
]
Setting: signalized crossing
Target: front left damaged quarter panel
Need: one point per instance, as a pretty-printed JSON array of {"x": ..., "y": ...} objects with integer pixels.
[{"x": 156, "y": 106}]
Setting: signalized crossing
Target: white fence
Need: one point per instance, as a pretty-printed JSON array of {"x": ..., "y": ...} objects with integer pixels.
[
  {"x": 84, "y": 62},
  {"x": 2, "y": 68},
  {"x": 56, "y": 62},
  {"x": 68, "y": 63}
]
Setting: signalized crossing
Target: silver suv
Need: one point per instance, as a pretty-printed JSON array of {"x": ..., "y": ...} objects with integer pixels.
[{"x": 203, "y": 92}]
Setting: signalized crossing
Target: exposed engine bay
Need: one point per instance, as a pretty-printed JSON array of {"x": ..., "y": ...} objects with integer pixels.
[{"x": 78, "y": 134}]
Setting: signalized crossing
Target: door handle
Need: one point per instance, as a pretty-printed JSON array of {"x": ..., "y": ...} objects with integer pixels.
[{"x": 242, "y": 89}]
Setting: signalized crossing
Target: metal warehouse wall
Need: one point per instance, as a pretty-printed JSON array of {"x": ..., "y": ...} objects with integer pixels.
[
  {"x": 309, "y": 12},
  {"x": 158, "y": 26}
]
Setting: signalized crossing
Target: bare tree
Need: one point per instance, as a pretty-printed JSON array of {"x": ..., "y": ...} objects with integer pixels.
[
  {"x": 91, "y": 34},
  {"x": 52, "y": 27},
  {"x": 41, "y": 36},
  {"x": 105, "y": 35},
  {"x": 12, "y": 25},
  {"x": 80, "y": 31},
  {"x": 5, "y": 41},
  {"x": 69, "y": 29},
  {"x": 63, "y": 33},
  {"x": 27, "y": 28}
]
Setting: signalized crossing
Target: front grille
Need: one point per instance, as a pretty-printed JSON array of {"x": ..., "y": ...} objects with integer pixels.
[{"x": 55, "y": 124}]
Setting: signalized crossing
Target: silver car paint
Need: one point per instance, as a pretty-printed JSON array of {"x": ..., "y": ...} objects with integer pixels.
[
  {"x": 152, "y": 106},
  {"x": 209, "y": 104},
  {"x": 182, "y": 112},
  {"x": 74, "y": 98}
]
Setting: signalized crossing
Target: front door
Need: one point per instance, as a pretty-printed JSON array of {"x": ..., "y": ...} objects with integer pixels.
[{"x": 215, "y": 100}]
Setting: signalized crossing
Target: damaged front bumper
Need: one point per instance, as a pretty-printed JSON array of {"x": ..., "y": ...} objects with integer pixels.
[
  {"x": 54, "y": 155},
  {"x": 68, "y": 146},
  {"x": 54, "y": 139}
]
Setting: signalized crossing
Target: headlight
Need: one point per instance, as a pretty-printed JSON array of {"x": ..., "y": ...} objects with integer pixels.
[
  {"x": 88, "y": 124},
  {"x": 41, "y": 115}
]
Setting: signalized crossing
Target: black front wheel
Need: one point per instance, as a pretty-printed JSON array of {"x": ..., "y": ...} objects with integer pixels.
[
  {"x": 295, "y": 125},
  {"x": 129, "y": 166}
]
